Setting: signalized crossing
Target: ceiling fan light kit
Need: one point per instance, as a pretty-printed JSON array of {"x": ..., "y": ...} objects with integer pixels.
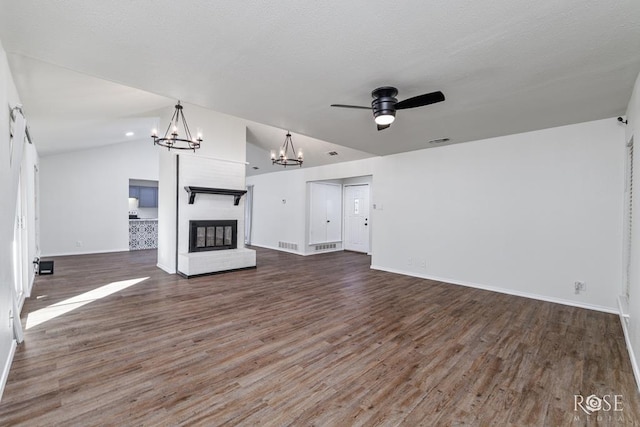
[
  {"x": 385, "y": 118},
  {"x": 385, "y": 104},
  {"x": 171, "y": 139}
]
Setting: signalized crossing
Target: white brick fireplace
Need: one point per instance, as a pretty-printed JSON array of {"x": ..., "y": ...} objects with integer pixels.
[{"x": 207, "y": 173}]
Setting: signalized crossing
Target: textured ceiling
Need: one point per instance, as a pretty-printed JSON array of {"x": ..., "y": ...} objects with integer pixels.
[{"x": 505, "y": 66}]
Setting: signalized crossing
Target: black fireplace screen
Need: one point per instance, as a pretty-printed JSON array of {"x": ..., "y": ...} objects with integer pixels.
[{"x": 212, "y": 235}]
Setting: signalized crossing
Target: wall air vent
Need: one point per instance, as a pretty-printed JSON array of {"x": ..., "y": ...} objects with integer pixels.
[
  {"x": 288, "y": 245},
  {"x": 325, "y": 246},
  {"x": 255, "y": 168}
]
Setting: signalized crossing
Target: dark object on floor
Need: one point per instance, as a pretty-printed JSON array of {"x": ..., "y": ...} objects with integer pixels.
[{"x": 46, "y": 267}]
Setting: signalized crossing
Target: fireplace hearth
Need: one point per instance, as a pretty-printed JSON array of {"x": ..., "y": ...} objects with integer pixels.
[{"x": 213, "y": 235}]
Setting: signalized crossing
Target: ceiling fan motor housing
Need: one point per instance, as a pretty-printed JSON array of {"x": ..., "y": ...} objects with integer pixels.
[
  {"x": 384, "y": 101},
  {"x": 385, "y": 104}
]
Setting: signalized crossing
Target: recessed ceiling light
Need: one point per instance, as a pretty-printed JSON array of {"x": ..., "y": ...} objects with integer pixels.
[
  {"x": 439, "y": 140},
  {"x": 129, "y": 134}
]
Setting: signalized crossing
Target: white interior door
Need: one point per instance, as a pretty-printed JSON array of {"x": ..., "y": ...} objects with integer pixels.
[
  {"x": 357, "y": 220},
  {"x": 317, "y": 213},
  {"x": 18, "y": 249},
  {"x": 325, "y": 213},
  {"x": 334, "y": 213}
]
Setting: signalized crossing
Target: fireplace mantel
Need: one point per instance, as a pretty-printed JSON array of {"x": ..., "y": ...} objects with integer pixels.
[{"x": 206, "y": 190}]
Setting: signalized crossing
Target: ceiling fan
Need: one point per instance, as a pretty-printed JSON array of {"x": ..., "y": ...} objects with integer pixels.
[{"x": 385, "y": 104}]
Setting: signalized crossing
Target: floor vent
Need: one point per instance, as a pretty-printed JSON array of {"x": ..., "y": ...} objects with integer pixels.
[
  {"x": 325, "y": 246},
  {"x": 287, "y": 245}
]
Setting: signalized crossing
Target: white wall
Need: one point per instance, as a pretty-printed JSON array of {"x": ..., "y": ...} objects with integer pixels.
[
  {"x": 274, "y": 221},
  {"x": 632, "y": 332},
  {"x": 167, "y": 193},
  {"x": 10, "y": 163},
  {"x": 526, "y": 214},
  {"x": 84, "y": 197},
  {"x": 279, "y": 201}
]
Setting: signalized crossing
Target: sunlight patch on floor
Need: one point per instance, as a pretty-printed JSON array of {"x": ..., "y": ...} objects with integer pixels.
[{"x": 58, "y": 309}]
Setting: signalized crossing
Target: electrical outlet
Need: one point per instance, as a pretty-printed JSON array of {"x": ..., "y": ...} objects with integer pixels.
[
  {"x": 423, "y": 264},
  {"x": 79, "y": 243},
  {"x": 410, "y": 261},
  {"x": 579, "y": 286}
]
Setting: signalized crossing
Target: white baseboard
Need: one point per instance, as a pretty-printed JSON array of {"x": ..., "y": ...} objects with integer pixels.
[
  {"x": 298, "y": 252},
  {"x": 624, "y": 319},
  {"x": 323, "y": 252},
  {"x": 166, "y": 269},
  {"x": 277, "y": 249},
  {"x": 7, "y": 367},
  {"x": 107, "y": 251},
  {"x": 604, "y": 309}
]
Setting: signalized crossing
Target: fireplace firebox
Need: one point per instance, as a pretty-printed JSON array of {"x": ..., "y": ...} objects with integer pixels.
[{"x": 213, "y": 235}]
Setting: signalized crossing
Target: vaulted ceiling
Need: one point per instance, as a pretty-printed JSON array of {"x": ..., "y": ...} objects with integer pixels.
[{"x": 505, "y": 66}]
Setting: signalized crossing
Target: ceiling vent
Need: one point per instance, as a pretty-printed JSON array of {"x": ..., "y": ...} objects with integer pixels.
[
  {"x": 439, "y": 141},
  {"x": 332, "y": 153},
  {"x": 255, "y": 168}
]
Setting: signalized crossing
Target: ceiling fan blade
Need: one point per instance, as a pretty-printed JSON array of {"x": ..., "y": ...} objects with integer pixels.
[
  {"x": 382, "y": 127},
  {"x": 350, "y": 106},
  {"x": 420, "y": 100}
]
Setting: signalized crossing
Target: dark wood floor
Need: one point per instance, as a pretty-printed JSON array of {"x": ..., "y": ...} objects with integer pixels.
[{"x": 320, "y": 340}]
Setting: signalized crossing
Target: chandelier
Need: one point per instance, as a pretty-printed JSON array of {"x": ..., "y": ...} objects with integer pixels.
[
  {"x": 171, "y": 139},
  {"x": 284, "y": 159}
]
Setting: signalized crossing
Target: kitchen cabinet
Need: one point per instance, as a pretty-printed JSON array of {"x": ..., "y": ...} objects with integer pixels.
[
  {"x": 134, "y": 191},
  {"x": 147, "y": 196}
]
